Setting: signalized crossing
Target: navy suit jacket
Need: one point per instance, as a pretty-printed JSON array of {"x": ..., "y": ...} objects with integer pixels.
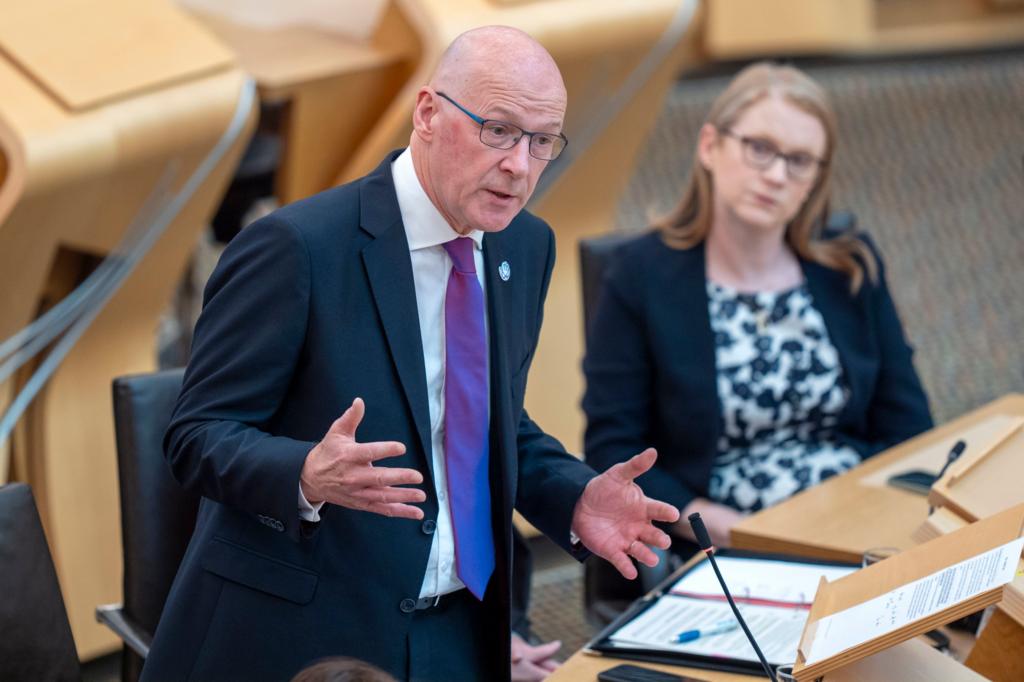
[
  {"x": 651, "y": 373},
  {"x": 309, "y": 308}
]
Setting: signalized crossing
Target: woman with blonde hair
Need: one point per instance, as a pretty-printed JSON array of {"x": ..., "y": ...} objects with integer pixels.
[{"x": 758, "y": 351}]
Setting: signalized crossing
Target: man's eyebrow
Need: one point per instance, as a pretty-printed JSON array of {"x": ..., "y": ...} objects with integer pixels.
[{"x": 500, "y": 113}]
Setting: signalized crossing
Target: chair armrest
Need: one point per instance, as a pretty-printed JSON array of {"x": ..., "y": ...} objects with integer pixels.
[{"x": 130, "y": 632}]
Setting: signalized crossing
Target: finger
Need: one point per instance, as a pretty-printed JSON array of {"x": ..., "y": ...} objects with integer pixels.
[
  {"x": 379, "y": 477},
  {"x": 371, "y": 452},
  {"x": 643, "y": 554},
  {"x": 395, "y": 510},
  {"x": 389, "y": 495},
  {"x": 526, "y": 671},
  {"x": 550, "y": 665},
  {"x": 635, "y": 466},
  {"x": 542, "y": 652},
  {"x": 623, "y": 565},
  {"x": 348, "y": 422},
  {"x": 655, "y": 537},
  {"x": 661, "y": 511}
]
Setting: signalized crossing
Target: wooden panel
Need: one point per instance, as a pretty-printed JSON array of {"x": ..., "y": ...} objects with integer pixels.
[
  {"x": 283, "y": 59},
  {"x": 85, "y": 53},
  {"x": 999, "y": 652}
]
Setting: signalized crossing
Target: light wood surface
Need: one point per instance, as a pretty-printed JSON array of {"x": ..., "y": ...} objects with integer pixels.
[
  {"x": 912, "y": 661},
  {"x": 156, "y": 46},
  {"x": 999, "y": 652},
  {"x": 849, "y": 513},
  {"x": 743, "y": 29},
  {"x": 335, "y": 89},
  {"x": 81, "y": 156}
]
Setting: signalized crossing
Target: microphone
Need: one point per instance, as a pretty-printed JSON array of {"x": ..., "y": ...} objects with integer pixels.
[{"x": 700, "y": 532}]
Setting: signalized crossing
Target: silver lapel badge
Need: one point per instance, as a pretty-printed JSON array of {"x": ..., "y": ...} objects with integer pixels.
[{"x": 504, "y": 271}]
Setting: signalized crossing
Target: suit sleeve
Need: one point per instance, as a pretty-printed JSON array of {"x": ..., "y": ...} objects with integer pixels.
[
  {"x": 550, "y": 479},
  {"x": 620, "y": 391},
  {"x": 246, "y": 346},
  {"x": 899, "y": 407}
]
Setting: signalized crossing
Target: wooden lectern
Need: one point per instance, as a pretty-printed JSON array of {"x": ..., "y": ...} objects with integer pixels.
[{"x": 98, "y": 99}]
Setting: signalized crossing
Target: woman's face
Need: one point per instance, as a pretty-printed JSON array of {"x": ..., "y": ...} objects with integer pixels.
[{"x": 753, "y": 184}]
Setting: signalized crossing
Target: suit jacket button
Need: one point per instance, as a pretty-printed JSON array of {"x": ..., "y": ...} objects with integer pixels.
[
  {"x": 407, "y": 605},
  {"x": 429, "y": 526}
]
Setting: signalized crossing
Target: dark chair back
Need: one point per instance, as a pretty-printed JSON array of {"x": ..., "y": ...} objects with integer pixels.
[
  {"x": 35, "y": 636},
  {"x": 595, "y": 255},
  {"x": 157, "y": 515},
  {"x": 605, "y": 592}
]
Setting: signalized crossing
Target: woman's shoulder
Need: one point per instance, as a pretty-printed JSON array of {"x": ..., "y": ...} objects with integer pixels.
[{"x": 646, "y": 255}]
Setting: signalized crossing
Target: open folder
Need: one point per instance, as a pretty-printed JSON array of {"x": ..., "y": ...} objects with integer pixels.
[
  {"x": 774, "y": 593},
  {"x": 910, "y": 593}
]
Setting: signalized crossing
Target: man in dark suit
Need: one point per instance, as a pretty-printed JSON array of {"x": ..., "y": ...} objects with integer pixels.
[{"x": 409, "y": 302}]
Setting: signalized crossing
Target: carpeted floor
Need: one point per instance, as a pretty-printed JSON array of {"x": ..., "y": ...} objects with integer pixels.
[{"x": 930, "y": 160}]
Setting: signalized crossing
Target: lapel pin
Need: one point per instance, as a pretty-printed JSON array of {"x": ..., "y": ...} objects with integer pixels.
[{"x": 504, "y": 271}]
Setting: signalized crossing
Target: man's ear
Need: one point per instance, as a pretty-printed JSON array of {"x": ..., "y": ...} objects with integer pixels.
[
  {"x": 706, "y": 140},
  {"x": 423, "y": 114}
]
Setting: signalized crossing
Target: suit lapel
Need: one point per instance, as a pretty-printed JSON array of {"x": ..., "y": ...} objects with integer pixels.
[
  {"x": 498, "y": 293},
  {"x": 389, "y": 271}
]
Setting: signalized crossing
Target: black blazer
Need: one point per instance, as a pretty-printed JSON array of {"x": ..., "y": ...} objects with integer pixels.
[
  {"x": 651, "y": 375},
  {"x": 307, "y": 309}
]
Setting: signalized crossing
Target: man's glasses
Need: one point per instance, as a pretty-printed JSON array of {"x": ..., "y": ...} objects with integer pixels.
[
  {"x": 502, "y": 135},
  {"x": 761, "y": 154}
]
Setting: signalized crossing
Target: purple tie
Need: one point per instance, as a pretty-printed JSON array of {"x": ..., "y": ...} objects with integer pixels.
[{"x": 465, "y": 420}]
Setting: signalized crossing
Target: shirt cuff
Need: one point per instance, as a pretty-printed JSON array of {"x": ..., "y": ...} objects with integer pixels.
[{"x": 308, "y": 512}]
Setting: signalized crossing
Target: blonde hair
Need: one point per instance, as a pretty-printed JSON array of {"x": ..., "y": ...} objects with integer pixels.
[{"x": 689, "y": 222}]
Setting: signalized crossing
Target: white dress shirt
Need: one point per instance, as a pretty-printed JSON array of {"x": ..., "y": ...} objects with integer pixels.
[{"x": 426, "y": 230}]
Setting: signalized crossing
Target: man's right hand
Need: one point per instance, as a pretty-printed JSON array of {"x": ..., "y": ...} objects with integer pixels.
[
  {"x": 340, "y": 471},
  {"x": 718, "y": 519}
]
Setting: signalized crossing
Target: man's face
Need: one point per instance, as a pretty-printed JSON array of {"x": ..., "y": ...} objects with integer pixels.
[{"x": 476, "y": 186}]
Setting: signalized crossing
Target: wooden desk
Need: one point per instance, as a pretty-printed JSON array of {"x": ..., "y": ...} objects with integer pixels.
[
  {"x": 912, "y": 661},
  {"x": 847, "y": 514}
]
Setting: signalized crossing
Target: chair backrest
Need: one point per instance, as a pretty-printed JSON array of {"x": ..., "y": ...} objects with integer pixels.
[
  {"x": 35, "y": 635},
  {"x": 595, "y": 255},
  {"x": 157, "y": 515}
]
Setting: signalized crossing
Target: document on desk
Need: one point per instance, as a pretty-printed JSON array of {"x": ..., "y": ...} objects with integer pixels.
[
  {"x": 916, "y": 600},
  {"x": 764, "y": 582},
  {"x": 776, "y": 629},
  {"x": 773, "y": 596}
]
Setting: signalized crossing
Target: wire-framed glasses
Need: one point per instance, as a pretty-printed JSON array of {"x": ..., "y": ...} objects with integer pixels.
[
  {"x": 761, "y": 154},
  {"x": 504, "y": 135}
]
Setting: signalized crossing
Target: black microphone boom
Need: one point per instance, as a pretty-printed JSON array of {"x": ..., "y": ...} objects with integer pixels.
[{"x": 700, "y": 532}]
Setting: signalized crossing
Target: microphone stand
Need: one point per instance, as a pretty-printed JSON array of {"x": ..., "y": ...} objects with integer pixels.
[{"x": 704, "y": 540}]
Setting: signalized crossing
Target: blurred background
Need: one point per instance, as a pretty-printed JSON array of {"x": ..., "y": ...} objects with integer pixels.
[{"x": 137, "y": 137}]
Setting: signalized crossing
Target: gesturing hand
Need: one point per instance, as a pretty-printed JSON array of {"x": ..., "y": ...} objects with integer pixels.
[
  {"x": 340, "y": 471},
  {"x": 613, "y": 518}
]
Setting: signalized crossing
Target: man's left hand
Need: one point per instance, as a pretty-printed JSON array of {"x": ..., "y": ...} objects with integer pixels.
[
  {"x": 613, "y": 518},
  {"x": 532, "y": 663}
]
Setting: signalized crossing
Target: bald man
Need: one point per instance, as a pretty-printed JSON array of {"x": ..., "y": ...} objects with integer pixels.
[{"x": 353, "y": 411}]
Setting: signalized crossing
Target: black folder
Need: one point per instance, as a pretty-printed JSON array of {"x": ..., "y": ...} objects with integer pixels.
[{"x": 603, "y": 643}]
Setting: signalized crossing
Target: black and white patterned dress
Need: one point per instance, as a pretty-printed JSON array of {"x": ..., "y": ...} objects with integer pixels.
[{"x": 781, "y": 390}]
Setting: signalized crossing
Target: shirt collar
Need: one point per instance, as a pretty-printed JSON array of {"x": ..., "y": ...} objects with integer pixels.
[{"x": 424, "y": 224}]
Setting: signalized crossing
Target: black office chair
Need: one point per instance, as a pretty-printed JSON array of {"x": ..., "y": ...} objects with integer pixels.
[
  {"x": 157, "y": 516},
  {"x": 35, "y": 635},
  {"x": 606, "y": 593}
]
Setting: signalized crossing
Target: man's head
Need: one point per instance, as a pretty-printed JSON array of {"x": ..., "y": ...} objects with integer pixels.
[{"x": 496, "y": 73}]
